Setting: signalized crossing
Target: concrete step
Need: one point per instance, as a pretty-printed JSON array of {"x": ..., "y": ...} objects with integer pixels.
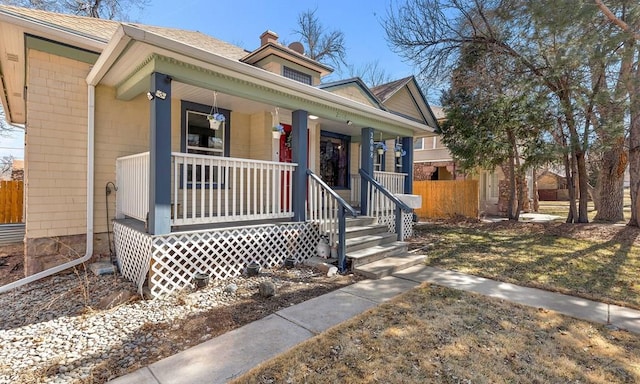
[
  {"x": 366, "y": 241},
  {"x": 360, "y": 221},
  {"x": 358, "y": 231},
  {"x": 376, "y": 252},
  {"x": 387, "y": 266}
]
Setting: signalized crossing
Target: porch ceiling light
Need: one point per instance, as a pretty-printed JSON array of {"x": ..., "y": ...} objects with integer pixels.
[
  {"x": 150, "y": 96},
  {"x": 313, "y": 117},
  {"x": 349, "y": 122}
]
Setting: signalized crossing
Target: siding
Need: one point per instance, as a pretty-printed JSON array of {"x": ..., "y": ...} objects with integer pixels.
[
  {"x": 403, "y": 103},
  {"x": 55, "y": 150}
]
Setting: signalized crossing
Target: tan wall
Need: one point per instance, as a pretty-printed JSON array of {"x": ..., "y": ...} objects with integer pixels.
[
  {"x": 55, "y": 149},
  {"x": 403, "y": 103},
  {"x": 354, "y": 93},
  {"x": 274, "y": 64},
  {"x": 116, "y": 134}
]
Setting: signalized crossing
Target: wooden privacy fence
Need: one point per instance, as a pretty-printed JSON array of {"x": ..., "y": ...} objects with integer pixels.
[
  {"x": 11, "y": 192},
  {"x": 443, "y": 199}
]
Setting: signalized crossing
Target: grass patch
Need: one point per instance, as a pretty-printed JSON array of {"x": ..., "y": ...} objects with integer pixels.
[
  {"x": 599, "y": 262},
  {"x": 437, "y": 334}
]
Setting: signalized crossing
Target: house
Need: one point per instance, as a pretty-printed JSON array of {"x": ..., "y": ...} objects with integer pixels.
[{"x": 120, "y": 124}]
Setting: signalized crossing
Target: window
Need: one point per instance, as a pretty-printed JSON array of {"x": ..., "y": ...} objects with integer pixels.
[
  {"x": 198, "y": 138},
  {"x": 296, "y": 75},
  {"x": 334, "y": 159},
  {"x": 418, "y": 143},
  {"x": 202, "y": 139}
]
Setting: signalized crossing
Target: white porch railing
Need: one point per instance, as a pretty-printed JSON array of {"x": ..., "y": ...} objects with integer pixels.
[
  {"x": 387, "y": 209},
  {"x": 208, "y": 189},
  {"x": 132, "y": 180},
  {"x": 393, "y": 182},
  {"x": 328, "y": 210}
]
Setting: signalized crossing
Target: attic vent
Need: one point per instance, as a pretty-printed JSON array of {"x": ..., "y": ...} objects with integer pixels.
[{"x": 12, "y": 57}]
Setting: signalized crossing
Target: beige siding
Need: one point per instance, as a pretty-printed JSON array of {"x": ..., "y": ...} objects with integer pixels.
[
  {"x": 56, "y": 146},
  {"x": 354, "y": 93},
  {"x": 121, "y": 129},
  {"x": 275, "y": 64},
  {"x": 403, "y": 103}
]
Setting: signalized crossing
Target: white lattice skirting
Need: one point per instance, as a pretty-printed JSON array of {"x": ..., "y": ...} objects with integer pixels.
[
  {"x": 220, "y": 253},
  {"x": 390, "y": 221}
]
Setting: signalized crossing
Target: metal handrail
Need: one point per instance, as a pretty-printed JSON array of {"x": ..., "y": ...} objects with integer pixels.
[
  {"x": 400, "y": 206},
  {"x": 342, "y": 224}
]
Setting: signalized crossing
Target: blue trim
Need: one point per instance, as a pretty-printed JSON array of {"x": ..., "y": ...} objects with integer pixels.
[
  {"x": 299, "y": 151},
  {"x": 160, "y": 157},
  {"x": 407, "y": 163},
  {"x": 366, "y": 165}
]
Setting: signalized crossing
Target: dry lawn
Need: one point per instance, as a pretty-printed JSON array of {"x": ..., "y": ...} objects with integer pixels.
[
  {"x": 595, "y": 261},
  {"x": 439, "y": 335}
]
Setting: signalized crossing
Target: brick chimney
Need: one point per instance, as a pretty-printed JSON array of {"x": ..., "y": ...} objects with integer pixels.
[{"x": 268, "y": 37}]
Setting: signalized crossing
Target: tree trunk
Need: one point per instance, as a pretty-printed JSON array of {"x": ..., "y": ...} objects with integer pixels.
[
  {"x": 536, "y": 198},
  {"x": 512, "y": 192},
  {"x": 610, "y": 184},
  {"x": 633, "y": 88},
  {"x": 583, "y": 189}
]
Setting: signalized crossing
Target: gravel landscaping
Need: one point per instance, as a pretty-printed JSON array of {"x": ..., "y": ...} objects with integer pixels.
[{"x": 61, "y": 329}]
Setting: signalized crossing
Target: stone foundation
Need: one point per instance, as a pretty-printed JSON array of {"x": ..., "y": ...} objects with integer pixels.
[{"x": 44, "y": 253}]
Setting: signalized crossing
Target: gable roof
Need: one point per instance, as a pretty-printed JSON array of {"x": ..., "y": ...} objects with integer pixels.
[
  {"x": 126, "y": 55},
  {"x": 385, "y": 93},
  {"x": 353, "y": 82},
  {"x": 102, "y": 30}
]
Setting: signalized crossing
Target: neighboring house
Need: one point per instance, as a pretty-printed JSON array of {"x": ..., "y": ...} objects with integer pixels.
[
  {"x": 109, "y": 103},
  {"x": 433, "y": 161},
  {"x": 552, "y": 186}
]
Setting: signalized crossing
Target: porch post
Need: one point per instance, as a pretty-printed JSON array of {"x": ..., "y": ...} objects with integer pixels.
[
  {"x": 407, "y": 163},
  {"x": 366, "y": 164},
  {"x": 160, "y": 155},
  {"x": 299, "y": 151}
]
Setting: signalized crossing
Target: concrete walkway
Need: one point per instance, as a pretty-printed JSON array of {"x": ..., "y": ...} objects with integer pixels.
[{"x": 230, "y": 355}]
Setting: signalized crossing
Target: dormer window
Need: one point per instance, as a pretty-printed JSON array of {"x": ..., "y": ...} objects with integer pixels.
[{"x": 296, "y": 75}]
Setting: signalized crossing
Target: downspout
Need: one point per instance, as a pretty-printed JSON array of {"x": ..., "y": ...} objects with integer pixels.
[{"x": 90, "y": 174}]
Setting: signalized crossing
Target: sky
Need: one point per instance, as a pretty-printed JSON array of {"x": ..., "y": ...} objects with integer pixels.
[{"x": 241, "y": 22}]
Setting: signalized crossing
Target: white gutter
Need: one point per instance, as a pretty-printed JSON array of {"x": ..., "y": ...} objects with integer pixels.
[{"x": 90, "y": 183}]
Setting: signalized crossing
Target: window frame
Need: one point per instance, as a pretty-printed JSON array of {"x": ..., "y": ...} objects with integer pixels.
[{"x": 201, "y": 109}]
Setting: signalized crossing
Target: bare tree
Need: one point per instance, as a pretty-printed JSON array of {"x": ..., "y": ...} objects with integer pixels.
[
  {"x": 327, "y": 47},
  {"x": 372, "y": 73},
  {"x": 102, "y": 9},
  {"x": 6, "y": 165}
]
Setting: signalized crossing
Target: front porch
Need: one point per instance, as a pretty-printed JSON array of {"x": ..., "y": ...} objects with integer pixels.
[{"x": 227, "y": 213}]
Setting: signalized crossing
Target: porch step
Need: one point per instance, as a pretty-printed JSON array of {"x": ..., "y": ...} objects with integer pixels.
[
  {"x": 387, "y": 266},
  {"x": 368, "y": 241},
  {"x": 358, "y": 231},
  {"x": 360, "y": 221},
  {"x": 377, "y": 252}
]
